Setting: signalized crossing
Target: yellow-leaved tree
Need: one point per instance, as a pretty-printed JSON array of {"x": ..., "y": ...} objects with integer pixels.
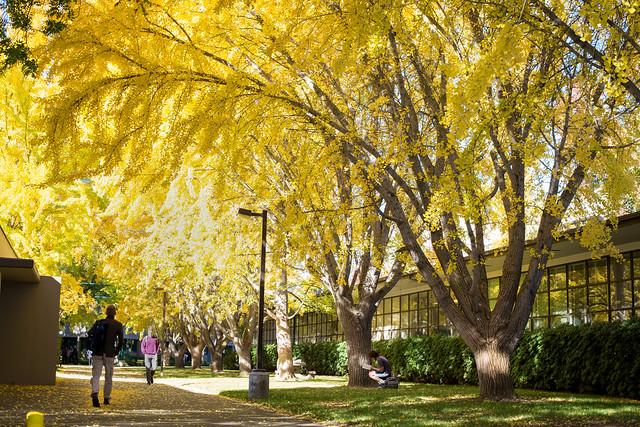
[
  {"x": 53, "y": 225},
  {"x": 450, "y": 119}
]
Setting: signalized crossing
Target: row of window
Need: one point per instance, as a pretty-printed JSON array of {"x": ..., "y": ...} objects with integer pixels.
[{"x": 606, "y": 289}]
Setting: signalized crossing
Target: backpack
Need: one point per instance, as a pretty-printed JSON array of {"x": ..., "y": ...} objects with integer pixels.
[
  {"x": 97, "y": 336},
  {"x": 391, "y": 382}
]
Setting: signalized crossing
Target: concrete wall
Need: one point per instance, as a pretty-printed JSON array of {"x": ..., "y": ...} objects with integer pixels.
[{"x": 29, "y": 321}]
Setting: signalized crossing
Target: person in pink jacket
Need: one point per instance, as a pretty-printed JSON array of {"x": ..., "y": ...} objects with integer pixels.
[{"x": 150, "y": 347}]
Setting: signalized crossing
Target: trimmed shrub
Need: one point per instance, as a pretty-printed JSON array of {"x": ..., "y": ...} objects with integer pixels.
[
  {"x": 599, "y": 358},
  {"x": 433, "y": 359},
  {"x": 230, "y": 359},
  {"x": 270, "y": 356},
  {"x": 325, "y": 358}
]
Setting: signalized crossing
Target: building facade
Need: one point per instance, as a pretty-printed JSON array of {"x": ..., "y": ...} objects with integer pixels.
[
  {"x": 576, "y": 289},
  {"x": 29, "y": 316}
]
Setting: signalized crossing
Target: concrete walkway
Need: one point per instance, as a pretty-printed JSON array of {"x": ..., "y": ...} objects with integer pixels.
[
  {"x": 210, "y": 385},
  {"x": 133, "y": 403}
]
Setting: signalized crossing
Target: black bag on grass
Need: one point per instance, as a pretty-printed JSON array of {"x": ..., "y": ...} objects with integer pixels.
[{"x": 391, "y": 382}]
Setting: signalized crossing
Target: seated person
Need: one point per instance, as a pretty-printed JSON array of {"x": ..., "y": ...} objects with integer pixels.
[{"x": 382, "y": 370}]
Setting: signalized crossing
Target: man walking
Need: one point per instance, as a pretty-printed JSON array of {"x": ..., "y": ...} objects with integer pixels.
[{"x": 106, "y": 340}]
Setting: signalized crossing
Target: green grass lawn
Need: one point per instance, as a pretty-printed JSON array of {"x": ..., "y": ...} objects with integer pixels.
[{"x": 436, "y": 405}]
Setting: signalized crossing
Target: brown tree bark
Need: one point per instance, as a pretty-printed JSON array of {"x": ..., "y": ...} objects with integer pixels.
[
  {"x": 285, "y": 369},
  {"x": 193, "y": 340},
  {"x": 494, "y": 377},
  {"x": 356, "y": 325},
  {"x": 216, "y": 342},
  {"x": 241, "y": 327},
  {"x": 177, "y": 350},
  {"x": 217, "y": 360},
  {"x": 196, "y": 355},
  {"x": 244, "y": 358}
]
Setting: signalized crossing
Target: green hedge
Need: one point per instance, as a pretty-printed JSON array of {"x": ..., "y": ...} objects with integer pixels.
[
  {"x": 599, "y": 358},
  {"x": 325, "y": 358},
  {"x": 270, "y": 357},
  {"x": 433, "y": 359},
  {"x": 230, "y": 359}
]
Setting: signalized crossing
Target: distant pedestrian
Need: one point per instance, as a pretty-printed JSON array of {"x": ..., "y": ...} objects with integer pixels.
[
  {"x": 150, "y": 347},
  {"x": 105, "y": 341}
]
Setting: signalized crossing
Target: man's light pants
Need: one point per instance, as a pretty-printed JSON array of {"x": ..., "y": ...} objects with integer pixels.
[
  {"x": 151, "y": 361},
  {"x": 97, "y": 363}
]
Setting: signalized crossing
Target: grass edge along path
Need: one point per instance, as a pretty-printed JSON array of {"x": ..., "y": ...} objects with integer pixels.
[{"x": 443, "y": 405}]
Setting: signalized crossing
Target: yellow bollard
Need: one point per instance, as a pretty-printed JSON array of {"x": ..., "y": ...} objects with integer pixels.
[{"x": 35, "y": 419}]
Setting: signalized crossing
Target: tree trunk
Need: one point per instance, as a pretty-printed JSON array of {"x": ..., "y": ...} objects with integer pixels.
[
  {"x": 179, "y": 359},
  {"x": 493, "y": 366},
  {"x": 177, "y": 351},
  {"x": 216, "y": 341},
  {"x": 244, "y": 358},
  {"x": 357, "y": 334},
  {"x": 217, "y": 359},
  {"x": 216, "y": 349},
  {"x": 241, "y": 327},
  {"x": 196, "y": 355},
  {"x": 285, "y": 370},
  {"x": 166, "y": 356}
]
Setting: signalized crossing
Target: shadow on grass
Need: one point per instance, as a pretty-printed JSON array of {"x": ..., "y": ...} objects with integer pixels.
[{"x": 429, "y": 405}]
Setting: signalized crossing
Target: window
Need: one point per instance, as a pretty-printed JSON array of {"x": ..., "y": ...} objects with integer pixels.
[
  {"x": 413, "y": 302},
  {"x": 413, "y": 319},
  {"x": 577, "y": 281},
  {"x": 540, "y": 310},
  {"x": 597, "y": 271},
  {"x": 558, "y": 302},
  {"x": 621, "y": 289},
  {"x": 404, "y": 320},
  {"x": 598, "y": 296},
  {"x": 270, "y": 331},
  {"x": 387, "y": 305},
  {"x": 557, "y": 277},
  {"x": 404, "y": 303},
  {"x": 578, "y": 305},
  {"x": 538, "y": 323},
  {"x": 577, "y": 274},
  {"x": 575, "y": 293},
  {"x": 541, "y": 305},
  {"x": 395, "y": 305}
]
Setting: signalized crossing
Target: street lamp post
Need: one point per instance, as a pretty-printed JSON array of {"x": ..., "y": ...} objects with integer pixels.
[{"x": 259, "y": 378}]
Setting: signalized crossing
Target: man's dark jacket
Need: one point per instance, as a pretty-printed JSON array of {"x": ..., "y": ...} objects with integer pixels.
[{"x": 113, "y": 340}]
